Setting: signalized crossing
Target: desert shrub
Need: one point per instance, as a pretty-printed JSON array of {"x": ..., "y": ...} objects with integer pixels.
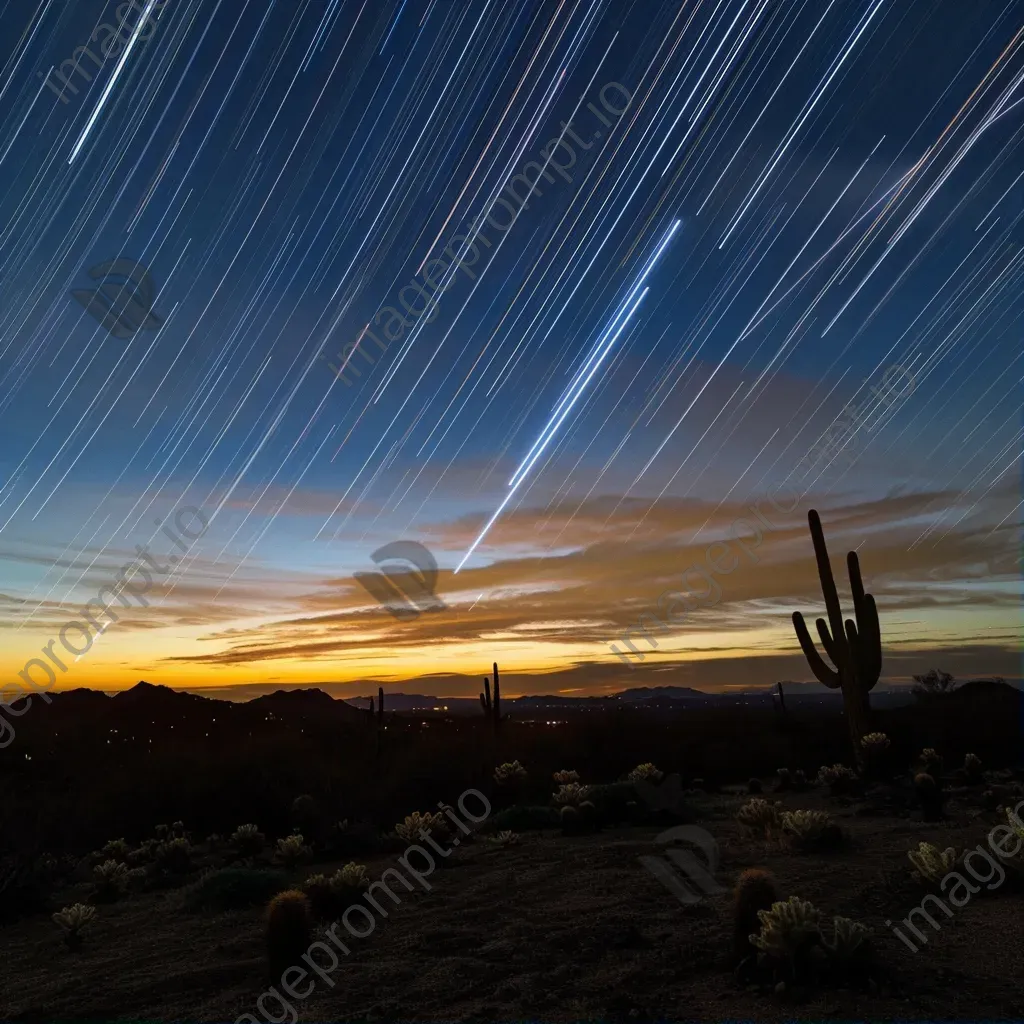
[
  {"x": 113, "y": 879},
  {"x": 838, "y": 778},
  {"x": 785, "y": 780},
  {"x": 289, "y": 927},
  {"x": 525, "y": 818},
  {"x": 929, "y": 796},
  {"x": 788, "y": 931},
  {"x": 248, "y": 840},
  {"x": 973, "y": 769},
  {"x": 506, "y": 838},
  {"x": 755, "y": 891},
  {"x": 144, "y": 853},
  {"x": 800, "y": 780},
  {"x": 760, "y": 816},
  {"x": 570, "y": 794},
  {"x": 74, "y": 920},
  {"x": 235, "y": 888},
  {"x": 348, "y": 882},
  {"x": 563, "y": 777},
  {"x": 174, "y": 856},
  {"x": 754, "y": 786},
  {"x": 291, "y": 850},
  {"x": 115, "y": 849},
  {"x": 645, "y": 772},
  {"x": 409, "y": 829},
  {"x": 932, "y": 864},
  {"x": 811, "y": 829},
  {"x": 511, "y": 773}
]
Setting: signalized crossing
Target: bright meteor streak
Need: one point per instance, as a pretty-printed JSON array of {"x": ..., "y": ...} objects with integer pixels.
[
  {"x": 102, "y": 102},
  {"x": 601, "y": 349},
  {"x": 625, "y": 302}
]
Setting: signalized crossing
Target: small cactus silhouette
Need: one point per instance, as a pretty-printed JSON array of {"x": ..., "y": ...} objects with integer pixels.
[
  {"x": 289, "y": 927},
  {"x": 755, "y": 891}
]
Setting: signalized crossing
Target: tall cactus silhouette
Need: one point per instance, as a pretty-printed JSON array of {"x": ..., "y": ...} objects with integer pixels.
[
  {"x": 856, "y": 651},
  {"x": 492, "y": 707}
]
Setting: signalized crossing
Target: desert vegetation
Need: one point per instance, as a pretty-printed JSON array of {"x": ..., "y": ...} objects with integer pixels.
[{"x": 305, "y": 802}]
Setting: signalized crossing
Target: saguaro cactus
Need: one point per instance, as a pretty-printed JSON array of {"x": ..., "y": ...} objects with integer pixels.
[
  {"x": 782, "y": 698},
  {"x": 856, "y": 651},
  {"x": 492, "y": 707}
]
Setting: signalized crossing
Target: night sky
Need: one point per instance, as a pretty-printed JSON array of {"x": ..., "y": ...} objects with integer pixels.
[{"x": 747, "y": 218}]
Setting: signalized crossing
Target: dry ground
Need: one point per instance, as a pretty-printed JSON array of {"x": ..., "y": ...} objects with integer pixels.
[{"x": 555, "y": 928}]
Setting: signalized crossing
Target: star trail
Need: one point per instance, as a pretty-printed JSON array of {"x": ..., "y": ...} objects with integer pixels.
[{"x": 655, "y": 250}]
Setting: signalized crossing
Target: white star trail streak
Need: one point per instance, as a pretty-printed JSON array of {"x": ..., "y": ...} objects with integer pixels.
[{"x": 303, "y": 181}]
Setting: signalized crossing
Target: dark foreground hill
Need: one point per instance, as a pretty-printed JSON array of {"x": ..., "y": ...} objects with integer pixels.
[{"x": 88, "y": 768}]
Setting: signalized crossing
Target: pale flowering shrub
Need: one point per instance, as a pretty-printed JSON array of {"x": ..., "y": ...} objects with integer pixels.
[
  {"x": 248, "y": 840},
  {"x": 409, "y": 830},
  {"x": 292, "y": 849},
  {"x": 645, "y": 772},
  {"x": 506, "y": 838},
  {"x": 760, "y": 816},
  {"x": 351, "y": 876},
  {"x": 570, "y": 794},
  {"x": 74, "y": 920},
  {"x": 788, "y": 929},
  {"x": 931, "y": 863},
  {"x": 509, "y": 774}
]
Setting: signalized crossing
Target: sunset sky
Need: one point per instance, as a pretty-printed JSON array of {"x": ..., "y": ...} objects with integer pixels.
[{"x": 838, "y": 190}]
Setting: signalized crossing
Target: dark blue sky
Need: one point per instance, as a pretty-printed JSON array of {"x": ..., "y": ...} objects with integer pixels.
[{"x": 846, "y": 181}]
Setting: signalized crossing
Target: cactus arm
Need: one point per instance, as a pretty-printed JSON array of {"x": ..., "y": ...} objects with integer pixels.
[
  {"x": 497, "y": 696},
  {"x": 873, "y": 659},
  {"x": 825, "y": 675},
  {"x": 828, "y": 587},
  {"x": 826, "y": 640},
  {"x": 868, "y": 658},
  {"x": 485, "y": 697}
]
